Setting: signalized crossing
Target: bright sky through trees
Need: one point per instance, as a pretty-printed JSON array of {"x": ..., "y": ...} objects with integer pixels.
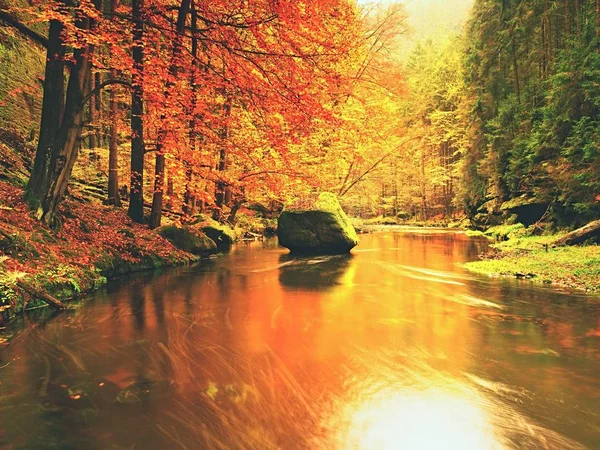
[{"x": 430, "y": 18}]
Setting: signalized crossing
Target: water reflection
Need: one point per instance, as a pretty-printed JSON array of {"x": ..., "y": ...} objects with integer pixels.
[
  {"x": 395, "y": 347},
  {"x": 314, "y": 273}
]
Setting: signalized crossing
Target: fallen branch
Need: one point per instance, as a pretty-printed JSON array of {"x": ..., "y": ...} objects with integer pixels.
[
  {"x": 53, "y": 302},
  {"x": 580, "y": 235}
]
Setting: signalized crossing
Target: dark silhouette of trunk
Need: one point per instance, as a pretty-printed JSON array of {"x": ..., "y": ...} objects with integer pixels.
[
  {"x": 235, "y": 207},
  {"x": 113, "y": 146},
  {"x": 93, "y": 141},
  {"x": 221, "y": 187},
  {"x": 516, "y": 68},
  {"x": 136, "y": 196},
  {"x": 159, "y": 178},
  {"x": 170, "y": 193},
  {"x": 66, "y": 147},
  {"x": 52, "y": 108},
  {"x": 98, "y": 103},
  {"x": 189, "y": 200},
  {"x": 94, "y": 101},
  {"x": 157, "y": 198}
]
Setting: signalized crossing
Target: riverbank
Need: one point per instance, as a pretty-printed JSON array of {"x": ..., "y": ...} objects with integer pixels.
[
  {"x": 94, "y": 244},
  {"x": 535, "y": 258}
]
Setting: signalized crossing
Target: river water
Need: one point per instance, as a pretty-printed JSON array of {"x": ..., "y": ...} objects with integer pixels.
[{"x": 394, "y": 347}]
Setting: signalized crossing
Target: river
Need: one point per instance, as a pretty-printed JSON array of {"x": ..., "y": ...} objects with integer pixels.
[{"x": 393, "y": 347}]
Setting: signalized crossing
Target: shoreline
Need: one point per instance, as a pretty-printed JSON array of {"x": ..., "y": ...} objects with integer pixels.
[
  {"x": 535, "y": 258},
  {"x": 94, "y": 245}
]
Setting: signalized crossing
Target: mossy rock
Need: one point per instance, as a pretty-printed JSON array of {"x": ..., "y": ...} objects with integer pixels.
[
  {"x": 188, "y": 239},
  {"x": 322, "y": 228},
  {"x": 223, "y": 236}
]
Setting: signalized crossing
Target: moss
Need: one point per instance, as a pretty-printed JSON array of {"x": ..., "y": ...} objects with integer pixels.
[
  {"x": 21, "y": 68},
  {"x": 223, "y": 236},
  {"x": 17, "y": 246},
  {"x": 475, "y": 233},
  {"x": 534, "y": 257},
  {"x": 189, "y": 239},
  {"x": 503, "y": 232},
  {"x": 517, "y": 202},
  {"x": 322, "y": 228}
]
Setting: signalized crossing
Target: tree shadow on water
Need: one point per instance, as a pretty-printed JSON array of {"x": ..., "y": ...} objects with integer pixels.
[{"x": 313, "y": 273}]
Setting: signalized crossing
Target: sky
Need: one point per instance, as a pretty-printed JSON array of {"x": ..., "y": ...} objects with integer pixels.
[{"x": 428, "y": 18}]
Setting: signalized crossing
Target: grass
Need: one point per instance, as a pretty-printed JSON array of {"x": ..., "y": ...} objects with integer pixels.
[{"x": 534, "y": 257}]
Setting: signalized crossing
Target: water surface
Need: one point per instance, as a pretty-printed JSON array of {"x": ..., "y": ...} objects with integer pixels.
[{"x": 393, "y": 347}]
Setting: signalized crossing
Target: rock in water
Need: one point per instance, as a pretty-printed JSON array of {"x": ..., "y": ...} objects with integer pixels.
[
  {"x": 323, "y": 228},
  {"x": 189, "y": 240},
  {"x": 224, "y": 237}
]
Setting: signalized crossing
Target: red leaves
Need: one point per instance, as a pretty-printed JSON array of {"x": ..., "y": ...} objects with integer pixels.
[{"x": 87, "y": 234}]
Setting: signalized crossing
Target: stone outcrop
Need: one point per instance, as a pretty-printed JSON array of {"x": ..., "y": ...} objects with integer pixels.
[{"x": 322, "y": 228}]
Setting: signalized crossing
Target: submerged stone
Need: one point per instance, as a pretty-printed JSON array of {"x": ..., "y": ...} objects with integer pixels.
[{"x": 322, "y": 228}]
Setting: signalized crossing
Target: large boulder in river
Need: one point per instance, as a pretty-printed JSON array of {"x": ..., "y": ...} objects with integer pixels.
[
  {"x": 322, "y": 228},
  {"x": 223, "y": 236},
  {"x": 189, "y": 240}
]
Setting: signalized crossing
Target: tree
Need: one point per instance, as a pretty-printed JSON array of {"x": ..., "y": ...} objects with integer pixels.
[{"x": 136, "y": 194}]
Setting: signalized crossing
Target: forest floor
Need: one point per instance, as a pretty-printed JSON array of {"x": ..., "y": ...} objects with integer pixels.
[
  {"x": 535, "y": 258},
  {"x": 94, "y": 243}
]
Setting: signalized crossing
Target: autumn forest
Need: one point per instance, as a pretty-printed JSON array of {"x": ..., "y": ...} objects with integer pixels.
[{"x": 241, "y": 171}]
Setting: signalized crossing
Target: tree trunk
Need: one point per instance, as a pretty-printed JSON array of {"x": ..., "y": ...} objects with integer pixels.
[
  {"x": 53, "y": 302},
  {"x": 66, "y": 147},
  {"x": 170, "y": 193},
  {"x": 99, "y": 129},
  {"x": 113, "y": 147},
  {"x": 580, "y": 235},
  {"x": 235, "y": 207},
  {"x": 136, "y": 197},
  {"x": 52, "y": 108},
  {"x": 93, "y": 143},
  {"x": 188, "y": 197},
  {"x": 516, "y": 68},
  {"x": 220, "y": 191},
  {"x": 157, "y": 199}
]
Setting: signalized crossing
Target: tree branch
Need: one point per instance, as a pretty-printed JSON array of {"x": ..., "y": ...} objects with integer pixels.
[{"x": 102, "y": 86}]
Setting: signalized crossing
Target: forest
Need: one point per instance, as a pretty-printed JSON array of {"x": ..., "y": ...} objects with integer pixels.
[
  {"x": 299, "y": 224},
  {"x": 221, "y": 113}
]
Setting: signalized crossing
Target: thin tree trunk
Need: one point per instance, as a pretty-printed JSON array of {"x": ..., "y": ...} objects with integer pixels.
[
  {"x": 170, "y": 193},
  {"x": 221, "y": 188},
  {"x": 136, "y": 197},
  {"x": 92, "y": 117},
  {"x": 159, "y": 179},
  {"x": 98, "y": 103},
  {"x": 113, "y": 147},
  {"x": 516, "y": 68},
  {"x": 157, "y": 198},
  {"x": 52, "y": 109},
  {"x": 188, "y": 197}
]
